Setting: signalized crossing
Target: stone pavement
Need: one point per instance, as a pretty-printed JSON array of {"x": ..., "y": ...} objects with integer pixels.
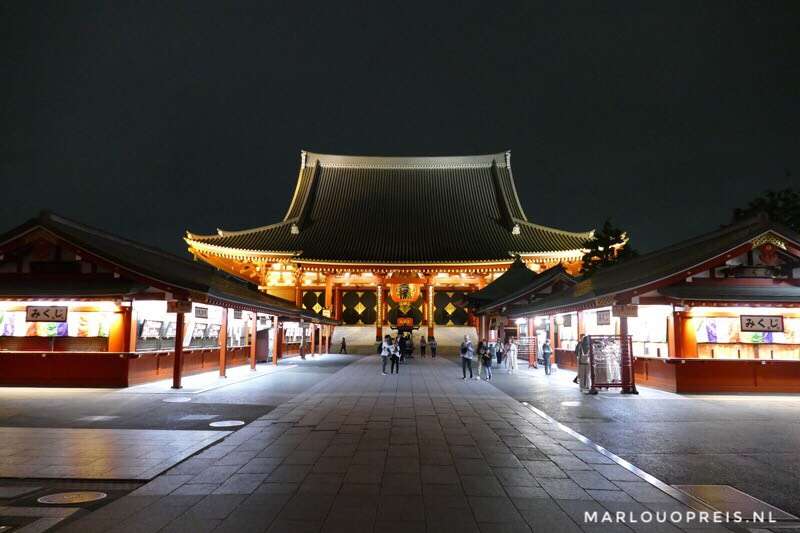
[
  {"x": 58, "y": 453},
  {"x": 748, "y": 441},
  {"x": 422, "y": 451}
]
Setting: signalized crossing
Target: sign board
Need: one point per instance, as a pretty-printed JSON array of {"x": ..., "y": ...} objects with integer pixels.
[
  {"x": 568, "y": 321},
  {"x": 326, "y": 313},
  {"x": 405, "y": 321},
  {"x": 603, "y": 318},
  {"x": 213, "y": 331},
  {"x": 45, "y": 313},
  {"x": 237, "y": 314},
  {"x": 761, "y": 323},
  {"x": 151, "y": 329},
  {"x": 179, "y": 306},
  {"x": 201, "y": 312},
  {"x": 629, "y": 311}
]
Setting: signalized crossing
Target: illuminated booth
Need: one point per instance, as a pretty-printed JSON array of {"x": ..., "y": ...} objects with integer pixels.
[
  {"x": 81, "y": 307},
  {"x": 717, "y": 313}
]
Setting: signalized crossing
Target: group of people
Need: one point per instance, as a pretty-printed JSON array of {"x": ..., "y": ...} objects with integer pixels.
[
  {"x": 397, "y": 350},
  {"x": 505, "y": 352}
]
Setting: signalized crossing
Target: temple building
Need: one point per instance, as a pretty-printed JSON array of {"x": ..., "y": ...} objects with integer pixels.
[{"x": 382, "y": 241}]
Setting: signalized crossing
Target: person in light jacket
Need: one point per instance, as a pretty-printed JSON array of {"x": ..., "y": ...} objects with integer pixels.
[
  {"x": 386, "y": 351},
  {"x": 395, "y": 357},
  {"x": 467, "y": 355},
  {"x": 511, "y": 356}
]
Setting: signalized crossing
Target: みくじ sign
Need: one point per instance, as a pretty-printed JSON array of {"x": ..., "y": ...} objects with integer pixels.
[
  {"x": 46, "y": 313},
  {"x": 761, "y": 323}
]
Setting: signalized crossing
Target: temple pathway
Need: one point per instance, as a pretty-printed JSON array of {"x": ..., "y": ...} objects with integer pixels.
[{"x": 418, "y": 451}]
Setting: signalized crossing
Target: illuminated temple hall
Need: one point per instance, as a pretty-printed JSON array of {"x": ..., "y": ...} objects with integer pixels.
[{"x": 377, "y": 241}]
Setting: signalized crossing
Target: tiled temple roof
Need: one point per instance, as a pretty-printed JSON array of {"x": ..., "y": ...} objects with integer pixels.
[{"x": 402, "y": 210}]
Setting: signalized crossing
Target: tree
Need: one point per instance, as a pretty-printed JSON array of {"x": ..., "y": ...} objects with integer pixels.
[
  {"x": 607, "y": 247},
  {"x": 781, "y": 206}
]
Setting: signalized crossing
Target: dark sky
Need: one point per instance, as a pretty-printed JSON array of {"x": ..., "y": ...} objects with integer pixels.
[{"x": 149, "y": 118}]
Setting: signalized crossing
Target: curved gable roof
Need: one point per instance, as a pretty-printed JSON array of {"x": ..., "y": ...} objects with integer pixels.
[{"x": 402, "y": 210}]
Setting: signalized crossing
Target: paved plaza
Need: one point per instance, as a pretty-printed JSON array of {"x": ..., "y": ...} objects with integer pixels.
[
  {"x": 422, "y": 451},
  {"x": 58, "y": 453},
  {"x": 745, "y": 440}
]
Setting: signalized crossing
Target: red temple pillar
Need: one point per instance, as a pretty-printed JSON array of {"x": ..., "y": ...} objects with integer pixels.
[
  {"x": 298, "y": 288},
  {"x": 312, "y": 339},
  {"x": 379, "y": 313},
  {"x": 253, "y": 343},
  {"x": 431, "y": 309},
  {"x": 131, "y": 329},
  {"x": 329, "y": 293},
  {"x": 337, "y": 303},
  {"x": 328, "y": 340},
  {"x": 223, "y": 344},
  {"x": 533, "y": 344},
  {"x": 177, "y": 367}
]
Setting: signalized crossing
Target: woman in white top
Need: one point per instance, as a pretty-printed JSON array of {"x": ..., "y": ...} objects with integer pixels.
[
  {"x": 512, "y": 356},
  {"x": 386, "y": 351}
]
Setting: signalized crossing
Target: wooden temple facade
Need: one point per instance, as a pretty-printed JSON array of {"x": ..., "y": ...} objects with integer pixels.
[{"x": 389, "y": 241}]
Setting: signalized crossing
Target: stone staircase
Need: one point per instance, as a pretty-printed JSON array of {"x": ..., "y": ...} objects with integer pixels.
[{"x": 361, "y": 339}]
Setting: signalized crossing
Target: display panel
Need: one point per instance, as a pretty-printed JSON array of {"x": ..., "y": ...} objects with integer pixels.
[{"x": 78, "y": 324}]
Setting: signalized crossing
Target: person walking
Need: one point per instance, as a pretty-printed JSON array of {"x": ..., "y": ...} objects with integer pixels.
[
  {"x": 467, "y": 355},
  {"x": 479, "y": 353},
  {"x": 433, "y": 344},
  {"x": 584, "y": 373},
  {"x": 499, "y": 352},
  {"x": 547, "y": 351},
  {"x": 422, "y": 345},
  {"x": 578, "y": 357},
  {"x": 386, "y": 351},
  {"x": 511, "y": 356},
  {"x": 485, "y": 359},
  {"x": 395, "y": 357},
  {"x": 343, "y": 347}
]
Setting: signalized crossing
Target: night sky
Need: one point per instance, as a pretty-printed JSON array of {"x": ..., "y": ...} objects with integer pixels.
[{"x": 147, "y": 119}]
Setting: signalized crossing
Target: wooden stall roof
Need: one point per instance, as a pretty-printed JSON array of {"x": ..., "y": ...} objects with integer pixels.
[
  {"x": 147, "y": 263},
  {"x": 56, "y": 288},
  {"x": 516, "y": 283},
  {"x": 401, "y": 210},
  {"x": 733, "y": 293},
  {"x": 662, "y": 267}
]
